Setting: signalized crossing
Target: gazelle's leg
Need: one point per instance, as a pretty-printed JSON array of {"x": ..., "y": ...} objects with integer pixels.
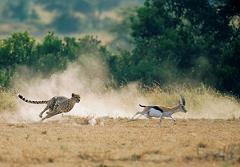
[
  {"x": 161, "y": 117},
  {"x": 160, "y": 122},
  {"x": 136, "y": 114},
  {"x": 45, "y": 109},
  {"x": 173, "y": 119},
  {"x": 139, "y": 115}
]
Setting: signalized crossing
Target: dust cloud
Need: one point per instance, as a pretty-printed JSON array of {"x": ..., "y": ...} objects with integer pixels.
[
  {"x": 215, "y": 107},
  {"x": 89, "y": 77},
  {"x": 212, "y": 108}
]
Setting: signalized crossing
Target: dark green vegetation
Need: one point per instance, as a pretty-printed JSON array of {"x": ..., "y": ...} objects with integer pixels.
[
  {"x": 47, "y": 57},
  {"x": 173, "y": 41},
  {"x": 186, "y": 40}
]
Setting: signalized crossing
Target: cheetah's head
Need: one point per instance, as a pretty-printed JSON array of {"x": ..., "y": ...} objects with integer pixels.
[{"x": 76, "y": 97}]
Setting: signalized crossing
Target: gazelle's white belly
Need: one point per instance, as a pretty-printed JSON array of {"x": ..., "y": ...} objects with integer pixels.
[
  {"x": 154, "y": 113},
  {"x": 167, "y": 114}
]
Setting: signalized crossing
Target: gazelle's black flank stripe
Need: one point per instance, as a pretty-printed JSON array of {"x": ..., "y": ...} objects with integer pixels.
[
  {"x": 157, "y": 108},
  {"x": 32, "y": 101}
]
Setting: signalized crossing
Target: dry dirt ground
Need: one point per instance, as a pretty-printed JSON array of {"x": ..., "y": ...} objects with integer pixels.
[{"x": 71, "y": 141}]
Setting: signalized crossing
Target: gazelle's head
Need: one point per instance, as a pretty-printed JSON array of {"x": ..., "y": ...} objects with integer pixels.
[
  {"x": 182, "y": 104},
  {"x": 76, "y": 97}
]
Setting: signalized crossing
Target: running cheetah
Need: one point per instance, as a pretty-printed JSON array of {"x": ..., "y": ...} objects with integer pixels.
[{"x": 56, "y": 105}]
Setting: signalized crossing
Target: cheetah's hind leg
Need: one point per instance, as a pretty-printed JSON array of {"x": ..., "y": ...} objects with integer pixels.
[
  {"x": 45, "y": 109},
  {"x": 49, "y": 115}
]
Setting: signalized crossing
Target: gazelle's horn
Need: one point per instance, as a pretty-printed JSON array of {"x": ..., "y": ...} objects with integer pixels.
[{"x": 182, "y": 100}]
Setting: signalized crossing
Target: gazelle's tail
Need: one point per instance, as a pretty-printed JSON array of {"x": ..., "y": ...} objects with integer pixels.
[
  {"x": 142, "y": 105},
  {"x": 31, "y": 101}
]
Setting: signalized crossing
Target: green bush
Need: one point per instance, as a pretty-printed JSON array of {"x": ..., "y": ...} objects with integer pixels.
[
  {"x": 48, "y": 56},
  {"x": 183, "y": 40}
]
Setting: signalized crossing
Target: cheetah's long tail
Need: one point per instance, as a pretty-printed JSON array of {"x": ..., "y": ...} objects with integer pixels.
[{"x": 31, "y": 101}]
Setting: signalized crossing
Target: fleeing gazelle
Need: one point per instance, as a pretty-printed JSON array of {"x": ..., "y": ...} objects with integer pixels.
[{"x": 161, "y": 111}]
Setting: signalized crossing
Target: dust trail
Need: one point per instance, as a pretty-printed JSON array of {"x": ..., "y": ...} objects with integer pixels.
[
  {"x": 215, "y": 107},
  {"x": 89, "y": 77}
]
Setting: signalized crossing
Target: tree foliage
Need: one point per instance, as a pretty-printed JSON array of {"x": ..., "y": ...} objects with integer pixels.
[
  {"x": 184, "y": 39},
  {"x": 51, "y": 55},
  {"x": 171, "y": 41}
]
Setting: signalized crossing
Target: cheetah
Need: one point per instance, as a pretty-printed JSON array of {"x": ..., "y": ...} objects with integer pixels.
[{"x": 56, "y": 105}]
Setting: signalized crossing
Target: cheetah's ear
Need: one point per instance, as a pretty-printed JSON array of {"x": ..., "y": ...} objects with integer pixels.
[{"x": 73, "y": 94}]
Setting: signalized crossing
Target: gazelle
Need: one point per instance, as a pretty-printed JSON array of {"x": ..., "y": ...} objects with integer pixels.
[{"x": 161, "y": 111}]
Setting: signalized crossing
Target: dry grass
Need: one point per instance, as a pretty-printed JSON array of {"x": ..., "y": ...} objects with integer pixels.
[
  {"x": 7, "y": 101},
  {"x": 200, "y": 100}
]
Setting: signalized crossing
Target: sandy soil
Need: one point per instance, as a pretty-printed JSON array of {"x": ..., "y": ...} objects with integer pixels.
[{"x": 72, "y": 141}]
